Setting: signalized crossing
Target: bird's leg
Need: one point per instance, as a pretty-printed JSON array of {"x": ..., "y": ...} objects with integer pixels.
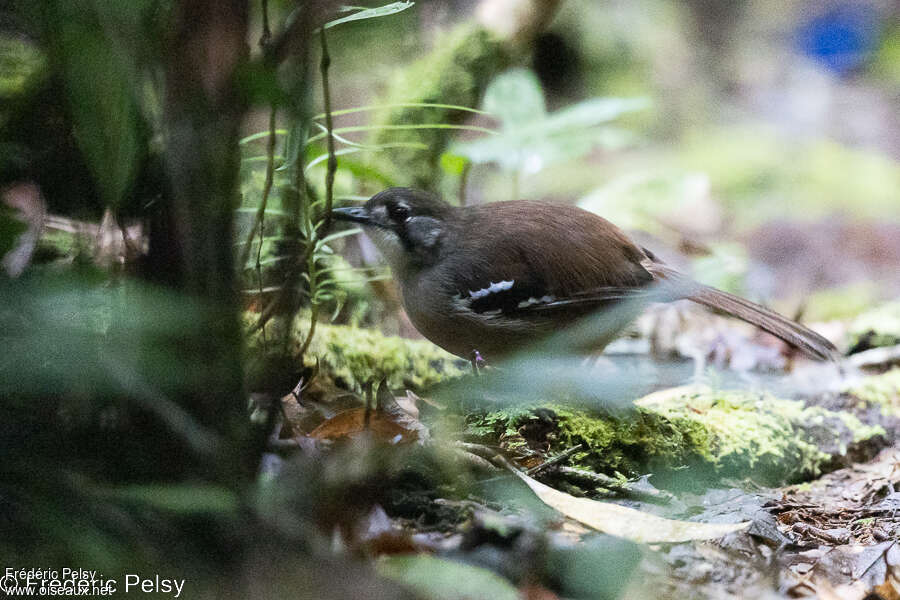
[{"x": 477, "y": 361}]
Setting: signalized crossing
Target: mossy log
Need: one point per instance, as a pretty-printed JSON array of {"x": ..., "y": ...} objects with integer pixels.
[
  {"x": 347, "y": 357},
  {"x": 698, "y": 434}
]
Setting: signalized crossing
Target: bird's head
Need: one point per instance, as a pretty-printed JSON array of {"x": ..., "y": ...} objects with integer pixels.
[{"x": 409, "y": 227}]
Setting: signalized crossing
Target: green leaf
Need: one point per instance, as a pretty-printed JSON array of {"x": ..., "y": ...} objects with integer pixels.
[
  {"x": 371, "y": 13},
  {"x": 453, "y": 164},
  {"x": 402, "y": 127},
  {"x": 178, "y": 498},
  {"x": 19, "y": 60},
  {"x": 99, "y": 83},
  {"x": 260, "y": 135},
  {"x": 344, "y": 151},
  {"x": 367, "y": 172},
  {"x": 270, "y": 212},
  {"x": 529, "y": 153},
  {"x": 261, "y": 158},
  {"x": 347, "y": 111},
  {"x": 516, "y": 98},
  {"x": 10, "y": 229},
  {"x": 530, "y": 138},
  {"x": 589, "y": 113},
  {"x": 296, "y": 142},
  {"x": 339, "y": 234},
  {"x": 439, "y": 579}
]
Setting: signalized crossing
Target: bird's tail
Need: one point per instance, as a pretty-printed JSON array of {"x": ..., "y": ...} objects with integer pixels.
[{"x": 795, "y": 334}]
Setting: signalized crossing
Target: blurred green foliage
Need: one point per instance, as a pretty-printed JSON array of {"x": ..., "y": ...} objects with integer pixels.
[
  {"x": 878, "y": 326},
  {"x": 887, "y": 59},
  {"x": 440, "y": 579},
  {"x": 124, "y": 438},
  {"x": 843, "y": 302},
  {"x": 455, "y": 72},
  {"x": 530, "y": 139},
  {"x": 759, "y": 176},
  {"x": 18, "y": 61}
]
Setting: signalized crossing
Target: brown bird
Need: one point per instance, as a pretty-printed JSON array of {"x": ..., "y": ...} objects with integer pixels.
[{"x": 488, "y": 280}]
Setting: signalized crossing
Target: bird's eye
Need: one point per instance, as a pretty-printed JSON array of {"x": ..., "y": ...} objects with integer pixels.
[{"x": 398, "y": 212}]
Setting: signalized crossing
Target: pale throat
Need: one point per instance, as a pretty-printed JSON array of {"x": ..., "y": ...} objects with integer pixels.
[{"x": 390, "y": 247}]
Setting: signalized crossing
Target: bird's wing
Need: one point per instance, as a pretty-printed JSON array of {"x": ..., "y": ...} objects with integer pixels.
[{"x": 550, "y": 258}]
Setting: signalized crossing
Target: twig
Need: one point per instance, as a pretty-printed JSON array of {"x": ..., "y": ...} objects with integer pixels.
[
  {"x": 131, "y": 250},
  {"x": 464, "y": 183},
  {"x": 283, "y": 446},
  {"x": 476, "y": 461},
  {"x": 278, "y": 47},
  {"x": 553, "y": 461},
  {"x": 261, "y": 213},
  {"x": 831, "y": 538},
  {"x": 266, "y": 37},
  {"x": 611, "y": 483},
  {"x": 329, "y": 125},
  {"x": 318, "y": 232},
  {"x": 264, "y": 43},
  {"x": 313, "y": 318},
  {"x": 367, "y": 415},
  {"x": 477, "y": 449}
]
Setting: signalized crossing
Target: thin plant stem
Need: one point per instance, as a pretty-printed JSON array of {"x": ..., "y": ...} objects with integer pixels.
[
  {"x": 266, "y": 37},
  {"x": 325, "y": 224},
  {"x": 313, "y": 306},
  {"x": 261, "y": 213},
  {"x": 464, "y": 182}
]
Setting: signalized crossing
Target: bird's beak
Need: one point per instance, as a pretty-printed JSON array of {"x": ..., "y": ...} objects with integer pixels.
[{"x": 356, "y": 214}]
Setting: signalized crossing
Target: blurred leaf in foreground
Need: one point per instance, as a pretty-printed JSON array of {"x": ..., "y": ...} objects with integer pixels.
[{"x": 438, "y": 579}]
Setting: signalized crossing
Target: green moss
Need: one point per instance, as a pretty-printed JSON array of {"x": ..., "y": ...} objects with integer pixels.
[
  {"x": 877, "y": 327},
  {"x": 748, "y": 430},
  {"x": 719, "y": 433},
  {"x": 623, "y": 443},
  {"x": 350, "y": 356},
  {"x": 455, "y": 72},
  {"x": 882, "y": 391},
  {"x": 504, "y": 422},
  {"x": 55, "y": 244}
]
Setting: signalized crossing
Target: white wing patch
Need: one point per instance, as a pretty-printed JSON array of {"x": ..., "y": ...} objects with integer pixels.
[
  {"x": 532, "y": 301},
  {"x": 492, "y": 289},
  {"x": 496, "y": 288}
]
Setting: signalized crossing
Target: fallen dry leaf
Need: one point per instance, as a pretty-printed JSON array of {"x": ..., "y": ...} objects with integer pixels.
[
  {"x": 352, "y": 422},
  {"x": 627, "y": 523},
  {"x": 387, "y": 422}
]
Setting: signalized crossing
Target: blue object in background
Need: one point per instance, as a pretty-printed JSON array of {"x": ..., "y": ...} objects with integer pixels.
[{"x": 841, "y": 38}]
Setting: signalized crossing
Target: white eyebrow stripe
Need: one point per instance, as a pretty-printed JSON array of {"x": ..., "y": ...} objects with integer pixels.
[{"x": 493, "y": 288}]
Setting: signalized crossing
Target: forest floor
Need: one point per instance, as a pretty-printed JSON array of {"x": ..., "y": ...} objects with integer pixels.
[{"x": 709, "y": 494}]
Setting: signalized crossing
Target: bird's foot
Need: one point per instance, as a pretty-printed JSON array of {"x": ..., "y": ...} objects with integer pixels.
[{"x": 477, "y": 361}]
